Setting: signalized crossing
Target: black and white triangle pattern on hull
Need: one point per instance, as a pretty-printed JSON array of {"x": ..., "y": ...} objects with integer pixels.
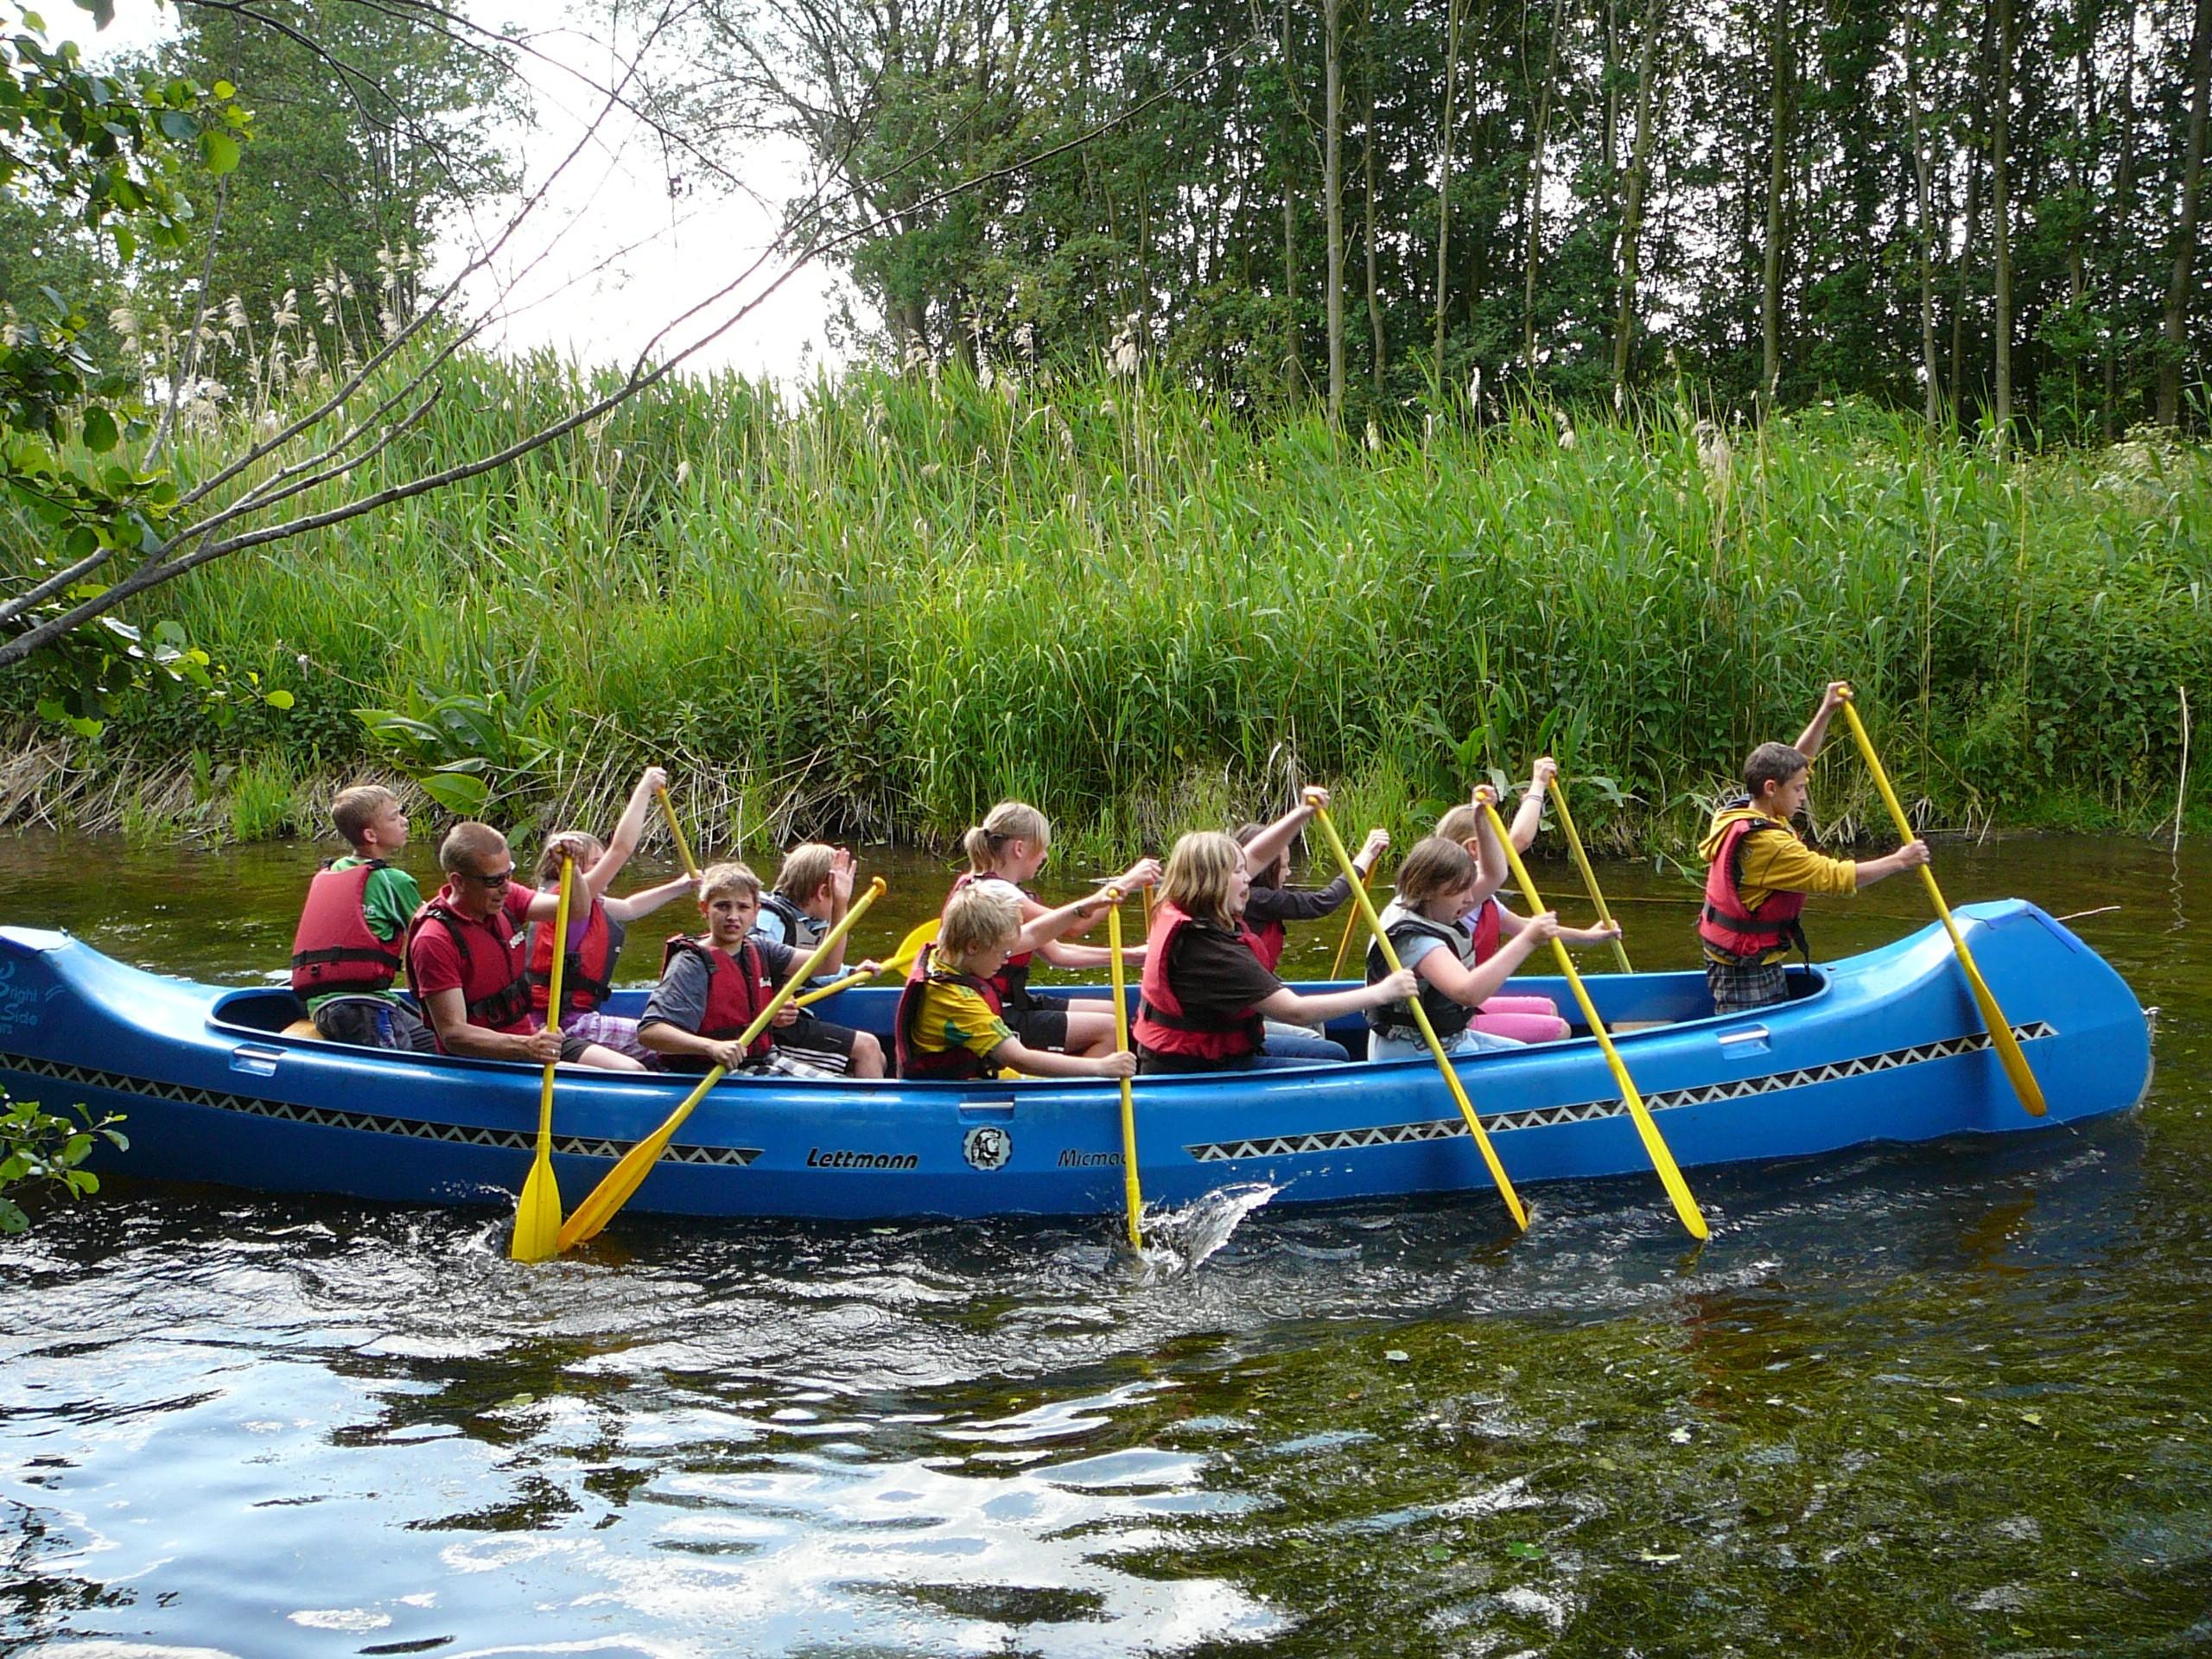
[
  {"x": 1536, "y": 1117},
  {"x": 330, "y": 1117}
]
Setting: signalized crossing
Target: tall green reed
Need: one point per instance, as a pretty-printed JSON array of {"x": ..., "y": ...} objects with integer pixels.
[{"x": 881, "y": 604}]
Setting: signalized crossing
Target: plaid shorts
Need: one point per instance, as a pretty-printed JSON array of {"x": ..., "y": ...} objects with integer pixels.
[
  {"x": 777, "y": 1063},
  {"x": 1741, "y": 986}
]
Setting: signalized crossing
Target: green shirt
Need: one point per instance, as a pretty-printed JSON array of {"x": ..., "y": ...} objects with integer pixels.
[{"x": 389, "y": 902}]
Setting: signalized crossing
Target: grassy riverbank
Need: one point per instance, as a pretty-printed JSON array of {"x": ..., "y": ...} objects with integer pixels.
[{"x": 878, "y": 609}]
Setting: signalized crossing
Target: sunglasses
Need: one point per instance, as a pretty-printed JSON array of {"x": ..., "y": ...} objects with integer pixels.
[{"x": 496, "y": 879}]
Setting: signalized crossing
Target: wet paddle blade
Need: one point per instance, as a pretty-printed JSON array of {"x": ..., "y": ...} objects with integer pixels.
[
  {"x": 2017, "y": 1070},
  {"x": 537, "y": 1214},
  {"x": 629, "y": 1173},
  {"x": 1366, "y": 911},
  {"x": 537, "y": 1218},
  {"x": 1655, "y": 1144},
  {"x": 1132, "y": 1191}
]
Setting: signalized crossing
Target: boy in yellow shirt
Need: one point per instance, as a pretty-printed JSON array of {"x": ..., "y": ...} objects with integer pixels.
[
  {"x": 950, "y": 1024},
  {"x": 1760, "y": 873}
]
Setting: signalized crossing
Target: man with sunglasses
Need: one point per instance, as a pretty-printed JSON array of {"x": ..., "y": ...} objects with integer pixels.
[{"x": 468, "y": 961}]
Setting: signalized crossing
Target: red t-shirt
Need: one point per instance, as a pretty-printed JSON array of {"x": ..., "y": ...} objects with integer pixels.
[{"x": 434, "y": 964}]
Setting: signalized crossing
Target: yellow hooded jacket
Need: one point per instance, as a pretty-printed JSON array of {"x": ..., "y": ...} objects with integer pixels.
[{"x": 1774, "y": 864}]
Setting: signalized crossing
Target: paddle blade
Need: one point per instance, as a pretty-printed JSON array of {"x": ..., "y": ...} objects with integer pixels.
[
  {"x": 537, "y": 1218},
  {"x": 629, "y": 1173},
  {"x": 2015, "y": 1066}
]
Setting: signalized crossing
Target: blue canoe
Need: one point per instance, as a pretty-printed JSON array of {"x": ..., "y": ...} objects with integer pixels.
[{"x": 1884, "y": 1046}]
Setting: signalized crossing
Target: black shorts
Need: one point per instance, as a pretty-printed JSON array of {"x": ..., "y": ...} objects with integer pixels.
[
  {"x": 818, "y": 1042},
  {"x": 1040, "y": 1025}
]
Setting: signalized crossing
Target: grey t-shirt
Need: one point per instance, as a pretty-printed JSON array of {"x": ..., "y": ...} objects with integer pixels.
[{"x": 680, "y": 998}]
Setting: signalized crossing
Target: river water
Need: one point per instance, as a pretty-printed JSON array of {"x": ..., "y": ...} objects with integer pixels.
[{"x": 1935, "y": 1401}]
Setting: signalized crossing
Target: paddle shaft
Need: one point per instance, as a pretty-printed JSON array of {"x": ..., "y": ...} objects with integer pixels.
[
  {"x": 630, "y": 1171},
  {"x": 676, "y": 833},
  {"x": 1132, "y": 1191},
  {"x": 1351, "y": 923},
  {"x": 1655, "y": 1144},
  {"x": 2009, "y": 1054},
  {"x": 1421, "y": 1018},
  {"x": 1582, "y": 863}
]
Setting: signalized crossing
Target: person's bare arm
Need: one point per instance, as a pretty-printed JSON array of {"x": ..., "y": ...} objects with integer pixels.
[
  {"x": 1321, "y": 1007},
  {"x": 1046, "y": 926},
  {"x": 448, "y": 1015},
  {"x": 1044, "y": 1063},
  {"x": 1260, "y": 851},
  {"x": 1910, "y": 856},
  {"x": 1528, "y": 817},
  {"x": 1472, "y": 987},
  {"x": 630, "y": 906},
  {"x": 663, "y": 1038},
  {"x": 1816, "y": 734}
]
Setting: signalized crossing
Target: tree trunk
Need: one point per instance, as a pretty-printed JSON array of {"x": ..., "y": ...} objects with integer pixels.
[
  {"x": 1374, "y": 295},
  {"x": 2000, "y": 206},
  {"x": 1294, "y": 371},
  {"x": 1332, "y": 193},
  {"x": 1776, "y": 173},
  {"x": 1931, "y": 390},
  {"x": 2175, "y": 334},
  {"x": 2120, "y": 213},
  {"x": 1456, "y": 16},
  {"x": 1639, "y": 168},
  {"x": 1536, "y": 188}
]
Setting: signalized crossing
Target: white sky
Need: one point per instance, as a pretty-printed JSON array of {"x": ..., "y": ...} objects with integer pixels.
[{"x": 588, "y": 298}]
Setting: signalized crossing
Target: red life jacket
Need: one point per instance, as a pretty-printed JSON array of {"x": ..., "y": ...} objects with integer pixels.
[
  {"x": 914, "y": 1061},
  {"x": 1447, "y": 1016},
  {"x": 1267, "y": 941},
  {"x": 738, "y": 988},
  {"x": 1489, "y": 930},
  {"x": 494, "y": 975},
  {"x": 334, "y": 948},
  {"x": 1724, "y": 923},
  {"x": 1162, "y": 1026},
  {"x": 1011, "y": 981},
  {"x": 589, "y": 974}
]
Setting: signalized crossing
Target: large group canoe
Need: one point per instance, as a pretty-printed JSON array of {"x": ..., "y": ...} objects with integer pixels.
[{"x": 1887, "y": 1046}]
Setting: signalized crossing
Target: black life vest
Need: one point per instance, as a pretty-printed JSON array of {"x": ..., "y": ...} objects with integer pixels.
[
  {"x": 959, "y": 1063},
  {"x": 589, "y": 974},
  {"x": 1012, "y": 981},
  {"x": 334, "y": 949},
  {"x": 1447, "y": 1015},
  {"x": 494, "y": 974},
  {"x": 1164, "y": 1027},
  {"x": 1726, "y": 923},
  {"x": 738, "y": 988}
]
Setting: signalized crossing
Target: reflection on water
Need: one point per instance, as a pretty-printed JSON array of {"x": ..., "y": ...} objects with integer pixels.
[{"x": 1918, "y": 1401}]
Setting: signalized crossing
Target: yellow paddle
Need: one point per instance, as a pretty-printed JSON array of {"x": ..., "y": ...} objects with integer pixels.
[
  {"x": 1655, "y": 1145},
  {"x": 1358, "y": 885},
  {"x": 628, "y": 1175},
  {"x": 1131, "y": 1191},
  {"x": 676, "y": 832},
  {"x": 900, "y": 961},
  {"x": 537, "y": 1217},
  {"x": 2000, "y": 1028},
  {"x": 1582, "y": 863},
  {"x": 1420, "y": 1017}
]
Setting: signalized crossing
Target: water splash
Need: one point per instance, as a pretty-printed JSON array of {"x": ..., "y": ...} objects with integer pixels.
[{"x": 1178, "y": 1242}]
